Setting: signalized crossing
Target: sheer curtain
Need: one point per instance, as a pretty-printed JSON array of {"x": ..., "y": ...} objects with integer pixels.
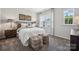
[{"x": 45, "y": 21}]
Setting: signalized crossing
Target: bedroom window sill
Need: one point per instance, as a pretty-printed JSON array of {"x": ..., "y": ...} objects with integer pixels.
[{"x": 69, "y": 24}]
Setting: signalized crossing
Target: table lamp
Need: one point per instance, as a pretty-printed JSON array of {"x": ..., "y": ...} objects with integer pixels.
[{"x": 77, "y": 20}]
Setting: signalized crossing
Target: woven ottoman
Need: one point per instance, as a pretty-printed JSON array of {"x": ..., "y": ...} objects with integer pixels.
[
  {"x": 45, "y": 39},
  {"x": 36, "y": 42}
]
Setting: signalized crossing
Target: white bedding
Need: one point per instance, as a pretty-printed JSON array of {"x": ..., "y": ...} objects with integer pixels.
[{"x": 25, "y": 33}]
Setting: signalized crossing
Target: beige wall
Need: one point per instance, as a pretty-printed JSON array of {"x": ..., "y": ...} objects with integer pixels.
[
  {"x": 60, "y": 29},
  {"x": 0, "y": 15},
  {"x": 28, "y": 12},
  {"x": 12, "y": 13},
  {"x": 9, "y": 13}
]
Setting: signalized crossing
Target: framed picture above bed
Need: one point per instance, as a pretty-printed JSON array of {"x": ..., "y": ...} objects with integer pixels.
[{"x": 24, "y": 17}]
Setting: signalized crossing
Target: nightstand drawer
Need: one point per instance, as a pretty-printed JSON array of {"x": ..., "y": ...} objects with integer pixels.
[{"x": 10, "y": 33}]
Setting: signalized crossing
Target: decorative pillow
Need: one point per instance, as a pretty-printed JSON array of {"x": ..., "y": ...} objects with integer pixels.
[
  {"x": 33, "y": 25},
  {"x": 28, "y": 25},
  {"x": 23, "y": 25}
]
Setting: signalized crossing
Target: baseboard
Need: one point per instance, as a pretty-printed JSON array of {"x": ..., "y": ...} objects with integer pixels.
[
  {"x": 63, "y": 37},
  {"x": 59, "y": 36}
]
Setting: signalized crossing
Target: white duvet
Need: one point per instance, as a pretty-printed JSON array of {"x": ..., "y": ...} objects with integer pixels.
[{"x": 25, "y": 33}]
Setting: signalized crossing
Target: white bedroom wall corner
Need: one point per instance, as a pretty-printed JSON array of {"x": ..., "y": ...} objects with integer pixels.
[
  {"x": 9, "y": 13},
  {"x": 52, "y": 21},
  {"x": 60, "y": 30},
  {"x": 37, "y": 21}
]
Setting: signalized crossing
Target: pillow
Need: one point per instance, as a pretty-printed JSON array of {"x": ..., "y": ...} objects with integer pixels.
[
  {"x": 33, "y": 25},
  {"x": 28, "y": 25},
  {"x": 24, "y": 25}
]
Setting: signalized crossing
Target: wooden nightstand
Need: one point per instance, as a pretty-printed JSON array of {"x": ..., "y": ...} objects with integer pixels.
[{"x": 10, "y": 33}]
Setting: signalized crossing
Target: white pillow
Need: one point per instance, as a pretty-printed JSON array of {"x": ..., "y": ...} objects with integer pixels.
[
  {"x": 33, "y": 25},
  {"x": 24, "y": 25},
  {"x": 27, "y": 25}
]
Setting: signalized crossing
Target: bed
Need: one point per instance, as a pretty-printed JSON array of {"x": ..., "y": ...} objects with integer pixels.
[{"x": 25, "y": 33}]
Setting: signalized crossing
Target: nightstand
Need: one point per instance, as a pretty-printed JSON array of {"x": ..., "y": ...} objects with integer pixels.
[
  {"x": 10, "y": 33},
  {"x": 74, "y": 42}
]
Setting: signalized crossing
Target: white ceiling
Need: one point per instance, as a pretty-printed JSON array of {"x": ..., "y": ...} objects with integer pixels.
[{"x": 36, "y": 10}]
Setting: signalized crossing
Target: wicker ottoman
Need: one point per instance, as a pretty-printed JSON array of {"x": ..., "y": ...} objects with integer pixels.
[
  {"x": 36, "y": 42},
  {"x": 45, "y": 39}
]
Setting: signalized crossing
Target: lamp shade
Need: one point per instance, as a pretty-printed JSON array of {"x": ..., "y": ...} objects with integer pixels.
[
  {"x": 10, "y": 20},
  {"x": 77, "y": 19}
]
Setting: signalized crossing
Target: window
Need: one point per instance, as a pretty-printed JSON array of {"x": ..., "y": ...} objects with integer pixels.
[{"x": 69, "y": 16}]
